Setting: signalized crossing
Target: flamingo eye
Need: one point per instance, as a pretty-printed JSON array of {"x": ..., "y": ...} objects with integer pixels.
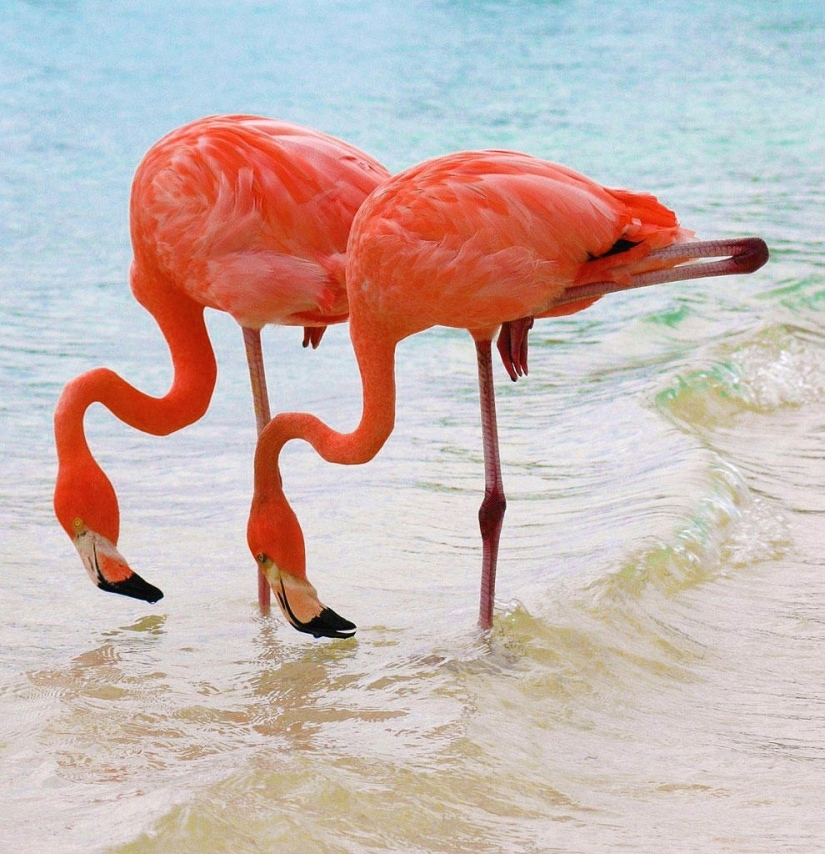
[{"x": 261, "y": 558}]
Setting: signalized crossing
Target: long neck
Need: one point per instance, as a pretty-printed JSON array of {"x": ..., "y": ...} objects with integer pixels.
[
  {"x": 195, "y": 372},
  {"x": 376, "y": 362}
]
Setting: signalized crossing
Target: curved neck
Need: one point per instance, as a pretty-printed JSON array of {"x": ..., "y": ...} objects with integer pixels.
[
  {"x": 195, "y": 372},
  {"x": 376, "y": 363}
]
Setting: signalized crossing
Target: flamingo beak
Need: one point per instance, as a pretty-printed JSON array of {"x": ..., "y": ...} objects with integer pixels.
[
  {"x": 681, "y": 262},
  {"x": 108, "y": 568},
  {"x": 737, "y": 256},
  {"x": 301, "y": 607}
]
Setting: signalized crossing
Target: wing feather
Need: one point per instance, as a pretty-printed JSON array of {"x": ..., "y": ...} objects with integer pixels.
[{"x": 252, "y": 215}]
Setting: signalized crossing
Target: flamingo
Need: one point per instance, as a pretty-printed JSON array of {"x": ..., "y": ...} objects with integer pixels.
[
  {"x": 238, "y": 213},
  {"x": 473, "y": 240}
]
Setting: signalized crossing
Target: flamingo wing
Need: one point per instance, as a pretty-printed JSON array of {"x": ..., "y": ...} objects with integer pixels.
[{"x": 251, "y": 216}]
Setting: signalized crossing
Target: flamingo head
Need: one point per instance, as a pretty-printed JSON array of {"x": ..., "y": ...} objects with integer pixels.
[
  {"x": 277, "y": 544},
  {"x": 108, "y": 568},
  {"x": 86, "y": 507}
]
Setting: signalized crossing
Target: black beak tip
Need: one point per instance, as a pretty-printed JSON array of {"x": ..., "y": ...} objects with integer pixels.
[
  {"x": 134, "y": 587},
  {"x": 327, "y": 624}
]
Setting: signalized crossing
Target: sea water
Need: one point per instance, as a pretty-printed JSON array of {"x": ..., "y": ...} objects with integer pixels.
[{"x": 654, "y": 678}]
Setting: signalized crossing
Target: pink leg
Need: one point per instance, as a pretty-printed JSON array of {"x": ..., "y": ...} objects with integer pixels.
[
  {"x": 260, "y": 398},
  {"x": 491, "y": 512}
]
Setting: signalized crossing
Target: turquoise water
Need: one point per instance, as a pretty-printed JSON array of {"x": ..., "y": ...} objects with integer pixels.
[{"x": 654, "y": 678}]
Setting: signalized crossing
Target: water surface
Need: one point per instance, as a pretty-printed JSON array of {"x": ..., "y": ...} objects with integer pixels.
[{"x": 654, "y": 678}]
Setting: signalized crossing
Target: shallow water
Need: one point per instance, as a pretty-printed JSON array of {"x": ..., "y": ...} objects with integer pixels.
[{"x": 654, "y": 678}]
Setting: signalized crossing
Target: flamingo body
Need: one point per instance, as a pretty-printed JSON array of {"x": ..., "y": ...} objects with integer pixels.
[
  {"x": 242, "y": 214},
  {"x": 473, "y": 240},
  {"x": 476, "y": 239},
  {"x": 251, "y": 216}
]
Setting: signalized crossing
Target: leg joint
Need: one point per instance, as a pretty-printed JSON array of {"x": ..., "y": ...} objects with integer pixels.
[{"x": 491, "y": 512}]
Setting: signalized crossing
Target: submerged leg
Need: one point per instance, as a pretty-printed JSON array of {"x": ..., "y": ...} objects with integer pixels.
[
  {"x": 260, "y": 399},
  {"x": 491, "y": 512}
]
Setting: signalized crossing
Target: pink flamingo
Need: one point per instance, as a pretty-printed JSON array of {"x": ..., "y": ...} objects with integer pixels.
[
  {"x": 474, "y": 240},
  {"x": 242, "y": 214}
]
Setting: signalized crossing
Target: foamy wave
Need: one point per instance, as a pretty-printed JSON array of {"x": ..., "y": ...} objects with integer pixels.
[
  {"x": 780, "y": 366},
  {"x": 732, "y": 528}
]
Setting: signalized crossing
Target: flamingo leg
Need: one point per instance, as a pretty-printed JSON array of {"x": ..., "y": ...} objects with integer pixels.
[
  {"x": 491, "y": 512},
  {"x": 260, "y": 399}
]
